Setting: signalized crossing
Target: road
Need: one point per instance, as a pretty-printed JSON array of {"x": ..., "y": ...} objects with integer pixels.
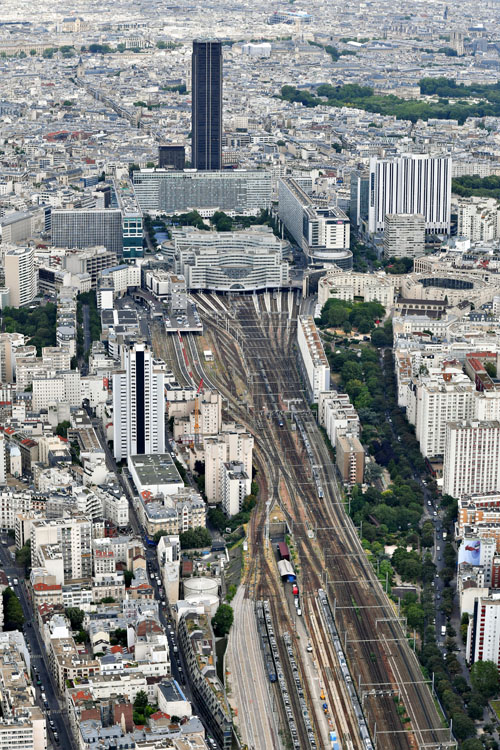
[
  {"x": 38, "y": 654},
  {"x": 87, "y": 341}
]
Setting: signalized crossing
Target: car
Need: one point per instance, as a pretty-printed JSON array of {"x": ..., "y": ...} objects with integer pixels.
[
  {"x": 46, "y": 704},
  {"x": 435, "y": 513},
  {"x": 429, "y": 502},
  {"x": 309, "y": 648},
  {"x": 439, "y": 558},
  {"x": 437, "y": 575},
  {"x": 299, "y": 611}
]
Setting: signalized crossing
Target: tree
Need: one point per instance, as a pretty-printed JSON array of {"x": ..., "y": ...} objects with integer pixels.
[
  {"x": 484, "y": 678},
  {"x": 141, "y": 700},
  {"x": 75, "y": 616},
  {"x": 128, "y": 576},
  {"x": 463, "y": 727},
  {"x": 62, "y": 428},
  {"x": 23, "y": 557},
  {"x": 222, "y": 620},
  {"x": 13, "y": 611},
  {"x": 196, "y": 538}
]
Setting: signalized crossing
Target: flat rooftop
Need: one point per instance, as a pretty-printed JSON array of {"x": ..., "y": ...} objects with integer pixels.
[{"x": 157, "y": 468}]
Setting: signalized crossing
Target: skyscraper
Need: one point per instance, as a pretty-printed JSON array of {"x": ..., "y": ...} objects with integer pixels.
[
  {"x": 207, "y": 104},
  {"x": 138, "y": 405},
  {"x": 410, "y": 184},
  {"x": 20, "y": 275}
]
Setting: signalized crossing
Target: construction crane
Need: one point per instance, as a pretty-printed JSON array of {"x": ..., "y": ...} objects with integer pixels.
[{"x": 197, "y": 414}]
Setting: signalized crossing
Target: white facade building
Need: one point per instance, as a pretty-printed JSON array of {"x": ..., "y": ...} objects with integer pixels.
[
  {"x": 138, "y": 405},
  {"x": 20, "y": 275},
  {"x": 471, "y": 458},
  {"x": 323, "y": 232},
  {"x": 438, "y": 403},
  {"x": 314, "y": 361},
  {"x": 235, "y": 487},
  {"x": 410, "y": 184}
]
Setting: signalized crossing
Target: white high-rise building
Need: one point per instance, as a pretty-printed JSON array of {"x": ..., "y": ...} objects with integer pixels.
[
  {"x": 20, "y": 276},
  {"x": 483, "y": 636},
  {"x": 437, "y": 403},
  {"x": 236, "y": 486},
  {"x": 471, "y": 458},
  {"x": 139, "y": 404},
  {"x": 410, "y": 184}
]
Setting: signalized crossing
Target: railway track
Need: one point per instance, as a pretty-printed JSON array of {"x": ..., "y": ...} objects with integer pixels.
[{"x": 376, "y": 646}]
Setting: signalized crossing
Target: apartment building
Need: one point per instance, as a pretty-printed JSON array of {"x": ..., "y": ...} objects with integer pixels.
[
  {"x": 72, "y": 537},
  {"x": 410, "y": 184},
  {"x": 438, "y": 402},
  {"x": 235, "y": 485},
  {"x": 85, "y": 228},
  {"x": 197, "y": 642},
  {"x": 404, "y": 235},
  {"x": 138, "y": 404},
  {"x": 471, "y": 458},
  {"x": 20, "y": 275},
  {"x": 346, "y": 285},
  {"x": 350, "y": 458}
]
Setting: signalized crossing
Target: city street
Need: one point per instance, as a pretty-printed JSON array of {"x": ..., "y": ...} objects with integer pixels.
[{"x": 38, "y": 654}]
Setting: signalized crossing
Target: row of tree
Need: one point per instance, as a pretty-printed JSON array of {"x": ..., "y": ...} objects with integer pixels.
[{"x": 363, "y": 97}]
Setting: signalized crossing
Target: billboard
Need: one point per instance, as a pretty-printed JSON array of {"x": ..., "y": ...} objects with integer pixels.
[{"x": 470, "y": 552}]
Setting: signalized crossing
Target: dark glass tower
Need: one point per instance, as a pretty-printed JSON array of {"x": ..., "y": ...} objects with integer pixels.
[{"x": 207, "y": 104}]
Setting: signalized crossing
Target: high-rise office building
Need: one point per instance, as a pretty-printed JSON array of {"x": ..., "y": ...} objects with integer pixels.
[
  {"x": 207, "y": 104},
  {"x": 172, "y": 157},
  {"x": 138, "y": 404},
  {"x": 88, "y": 228},
  {"x": 20, "y": 276},
  {"x": 410, "y": 184},
  {"x": 167, "y": 191}
]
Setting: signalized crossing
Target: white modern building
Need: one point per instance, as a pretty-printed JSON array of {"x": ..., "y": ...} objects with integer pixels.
[
  {"x": 20, "y": 275},
  {"x": 323, "y": 232},
  {"x": 437, "y": 403},
  {"x": 314, "y": 362},
  {"x": 235, "y": 487},
  {"x": 223, "y": 261},
  {"x": 138, "y": 404},
  {"x": 483, "y": 636},
  {"x": 410, "y": 184},
  {"x": 471, "y": 458}
]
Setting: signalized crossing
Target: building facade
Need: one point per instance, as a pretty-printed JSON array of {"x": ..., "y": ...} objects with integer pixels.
[
  {"x": 410, "y": 184},
  {"x": 20, "y": 275},
  {"x": 404, "y": 235},
  {"x": 471, "y": 458},
  {"x": 88, "y": 228},
  {"x": 236, "y": 191},
  {"x": 206, "y": 96},
  {"x": 138, "y": 405}
]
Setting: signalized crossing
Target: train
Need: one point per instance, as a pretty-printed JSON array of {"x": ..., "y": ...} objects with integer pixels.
[
  {"x": 264, "y": 642},
  {"x": 332, "y": 629},
  {"x": 310, "y": 455},
  {"x": 283, "y": 551}
]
